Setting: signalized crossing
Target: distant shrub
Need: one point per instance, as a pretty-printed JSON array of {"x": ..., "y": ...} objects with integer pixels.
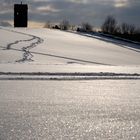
[{"x": 56, "y": 27}]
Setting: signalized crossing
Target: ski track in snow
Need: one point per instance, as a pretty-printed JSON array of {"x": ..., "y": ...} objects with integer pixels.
[
  {"x": 27, "y": 55},
  {"x": 67, "y": 76}
]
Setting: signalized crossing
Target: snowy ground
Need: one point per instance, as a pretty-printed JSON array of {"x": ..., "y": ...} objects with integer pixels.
[
  {"x": 94, "y": 93},
  {"x": 65, "y": 110}
]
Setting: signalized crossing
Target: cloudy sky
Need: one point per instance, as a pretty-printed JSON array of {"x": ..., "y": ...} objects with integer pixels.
[{"x": 76, "y": 11}]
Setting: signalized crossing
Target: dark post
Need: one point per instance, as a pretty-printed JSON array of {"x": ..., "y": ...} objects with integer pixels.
[{"x": 20, "y": 15}]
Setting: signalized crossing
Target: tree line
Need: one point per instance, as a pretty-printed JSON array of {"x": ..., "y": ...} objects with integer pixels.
[
  {"x": 65, "y": 25},
  {"x": 124, "y": 30},
  {"x": 110, "y": 26}
]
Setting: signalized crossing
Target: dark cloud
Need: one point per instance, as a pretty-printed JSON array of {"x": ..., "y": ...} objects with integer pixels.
[{"x": 76, "y": 11}]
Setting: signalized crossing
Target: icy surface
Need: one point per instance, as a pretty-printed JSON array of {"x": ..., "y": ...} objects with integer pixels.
[{"x": 65, "y": 110}]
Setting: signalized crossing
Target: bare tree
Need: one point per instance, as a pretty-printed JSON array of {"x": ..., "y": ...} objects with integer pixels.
[
  {"x": 64, "y": 25},
  {"x": 110, "y": 25},
  {"x": 137, "y": 31},
  {"x": 127, "y": 28},
  {"x": 86, "y": 26},
  {"x": 124, "y": 28},
  {"x": 118, "y": 30},
  {"x": 132, "y": 29}
]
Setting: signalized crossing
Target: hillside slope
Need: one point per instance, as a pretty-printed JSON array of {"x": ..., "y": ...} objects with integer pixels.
[{"x": 45, "y": 50}]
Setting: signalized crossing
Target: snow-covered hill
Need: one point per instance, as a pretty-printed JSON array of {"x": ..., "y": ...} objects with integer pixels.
[{"x": 45, "y": 50}]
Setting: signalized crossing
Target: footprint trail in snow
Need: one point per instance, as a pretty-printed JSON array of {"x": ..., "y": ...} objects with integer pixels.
[{"x": 27, "y": 45}]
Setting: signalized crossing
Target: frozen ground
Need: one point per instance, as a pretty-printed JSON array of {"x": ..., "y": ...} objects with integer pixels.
[
  {"x": 61, "y": 85},
  {"x": 65, "y": 110}
]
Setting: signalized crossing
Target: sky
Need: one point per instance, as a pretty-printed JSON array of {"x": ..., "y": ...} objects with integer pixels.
[{"x": 75, "y": 11}]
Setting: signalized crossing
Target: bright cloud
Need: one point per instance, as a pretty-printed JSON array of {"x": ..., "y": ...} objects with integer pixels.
[
  {"x": 121, "y": 3},
  {"x": 48, "y": 8}
]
